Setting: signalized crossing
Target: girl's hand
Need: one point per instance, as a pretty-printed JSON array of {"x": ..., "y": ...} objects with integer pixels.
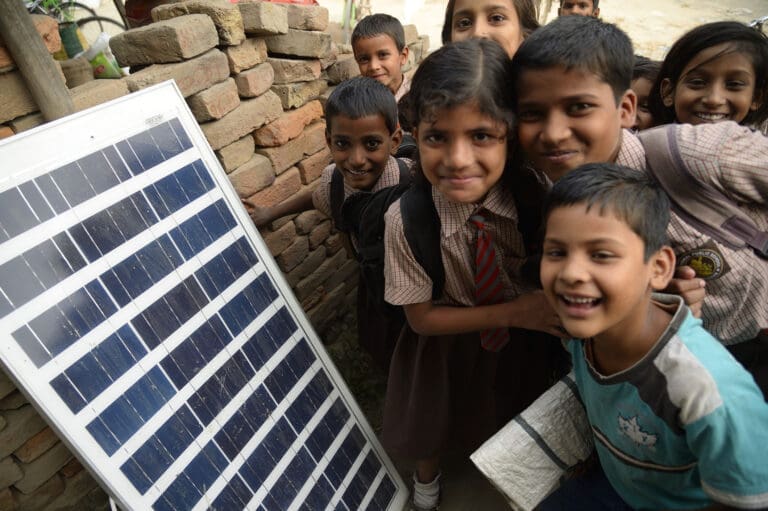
[
  {"x": 260, "y": 216},
  {"x": 533, "y": 312},
  {"x": 690, "y": 288}
]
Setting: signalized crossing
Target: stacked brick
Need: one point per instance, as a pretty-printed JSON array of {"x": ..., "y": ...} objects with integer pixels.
[{"x": 255, "y": 75}]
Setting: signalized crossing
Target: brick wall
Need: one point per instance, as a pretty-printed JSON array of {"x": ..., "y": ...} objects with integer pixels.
[{"x": 255, "y": 76}]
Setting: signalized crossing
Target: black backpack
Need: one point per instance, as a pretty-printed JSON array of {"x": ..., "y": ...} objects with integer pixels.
[{"x": 362, "y": 215}]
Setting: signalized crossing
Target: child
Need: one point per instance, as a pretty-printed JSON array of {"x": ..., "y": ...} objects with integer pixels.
[
  {"x": 643, "y": 77},
  {"x": 579, "y": 8},
  {"x": 361, "y": 132},
  {"x": 444, "y": 387},
  {"x": 507, "y": 22},
  {"x": 378, "y": 43},
  {"x": 677, "y": 422},
  {"x": 573, "y": 99},
  {"x": 715, "y": 72}
]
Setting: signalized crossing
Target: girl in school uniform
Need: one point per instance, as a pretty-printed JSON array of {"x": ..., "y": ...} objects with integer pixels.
[{"x": 469, "y": 360}]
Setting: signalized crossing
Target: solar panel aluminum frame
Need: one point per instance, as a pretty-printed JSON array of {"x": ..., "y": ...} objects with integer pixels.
[{"x": 38, "y": 151}]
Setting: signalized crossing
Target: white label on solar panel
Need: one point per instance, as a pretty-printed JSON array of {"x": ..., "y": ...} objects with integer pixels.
[{"x": 145, "y": 318}]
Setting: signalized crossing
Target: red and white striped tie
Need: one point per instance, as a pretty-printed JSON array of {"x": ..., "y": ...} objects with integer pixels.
[{"x": 488, "y": 286}]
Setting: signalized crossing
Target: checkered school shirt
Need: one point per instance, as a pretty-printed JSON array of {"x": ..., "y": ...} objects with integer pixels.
[
  {"x": 734, "y": 160},
  {"x": 406, "y": 281},
  {"x": 321, "y": 197}
]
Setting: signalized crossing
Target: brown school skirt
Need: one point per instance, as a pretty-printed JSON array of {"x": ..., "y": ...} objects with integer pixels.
[{"x": 446, "y": 392}]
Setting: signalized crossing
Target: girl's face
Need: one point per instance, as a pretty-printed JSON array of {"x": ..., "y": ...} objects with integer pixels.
[
  {"x": 462, "y": 152},
  {"x": 713, "y": 88},
  {"x": 489, "y": 19}
]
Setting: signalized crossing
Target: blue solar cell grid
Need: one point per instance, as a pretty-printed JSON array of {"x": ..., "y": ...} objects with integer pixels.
[{"x": 145, "y": 311}]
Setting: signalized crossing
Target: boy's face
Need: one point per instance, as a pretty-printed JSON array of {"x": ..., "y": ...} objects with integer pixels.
[
  {"x": 360, "y": 148},
  {"x": 487, "y": 19},
  {"x": 378, "y": 58},
  {"x": 578, "y": 8},
  {"x": 462, "y": 153},
  {"x": 713, "y": 88},
  {"x": 642, "y": 88},
  {"x": 594, "y": 275},
  {"x": 567, "y": 118}
]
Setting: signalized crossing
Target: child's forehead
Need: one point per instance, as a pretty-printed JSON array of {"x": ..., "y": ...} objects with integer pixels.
[
  {"x": 342, "y": 123},
  {"x": 374, "y": 43},
  {"x": 580, "y": 75},
  {"x": 609, "y": 217}
]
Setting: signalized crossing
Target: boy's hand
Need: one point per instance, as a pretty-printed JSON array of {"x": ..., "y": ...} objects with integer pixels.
[
  {"x": 533, "y": 312},
  {"x": 690, "y": 288},
  {"x": 259, "y": 215}
]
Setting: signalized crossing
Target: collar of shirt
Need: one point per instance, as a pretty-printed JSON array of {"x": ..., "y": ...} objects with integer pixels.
[
  {"x": 455, "y": 215},
  {"x": 389, "y": 177}
]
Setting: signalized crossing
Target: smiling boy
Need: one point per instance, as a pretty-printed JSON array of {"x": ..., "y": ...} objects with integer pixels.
[
  {"x": 361, "y": 132},
  {"x": 378, "y": 43},
  {"x": 574, "y": 102},
  {"x": 677, "y": 422}
]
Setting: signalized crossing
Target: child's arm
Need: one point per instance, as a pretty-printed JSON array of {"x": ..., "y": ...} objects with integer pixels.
[
  {"x": 729, "y": 157},
  {"x": 530, "y": 311},
  {"x": 296, "y": 204}
]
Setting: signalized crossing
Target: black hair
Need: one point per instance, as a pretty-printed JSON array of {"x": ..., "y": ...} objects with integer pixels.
[
  {"x": 752, "y": 43},
  {"x": 526, "y": 14},
  {"x": 631, "y": 195},
  {"x": 470, "y": 71},
  {"x": 378, "y": 24},
  {"x": 595, "y": 4},
  {"x": 583, "y": 43},
  {"x": 360, "y": 97},
  {"x": 645, "y": 68}
]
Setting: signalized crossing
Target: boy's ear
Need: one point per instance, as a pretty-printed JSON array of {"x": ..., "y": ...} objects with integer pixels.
[
  {"x": 395, "y": 138},
  {"x": 328, "y": 138},
  {"x": 628, "y": 108},
  {"x": 662, "y": 267},
  {"x": 596, "y": 13},
  {"x": 667, "y": 93},
  {"x": 404, "y": 56}
]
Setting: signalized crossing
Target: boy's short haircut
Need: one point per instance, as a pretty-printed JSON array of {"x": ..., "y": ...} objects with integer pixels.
[
  {"x": 583, "y": 43},
  {"x": 645, "y": 68},
  {"x": 632, "y": 196},
  {"x": 595, "y": 4},
  {"x": 380, "y": 24},
  {"x": 360, "y": 97}
]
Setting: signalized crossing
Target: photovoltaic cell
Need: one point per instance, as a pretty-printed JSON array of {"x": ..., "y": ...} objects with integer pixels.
[{"x": 146, "y": 318}]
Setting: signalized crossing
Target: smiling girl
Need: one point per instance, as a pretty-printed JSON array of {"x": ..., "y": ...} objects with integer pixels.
[
  {"x": 715, "y": 72},
  {"x": 458, "y": 371}
]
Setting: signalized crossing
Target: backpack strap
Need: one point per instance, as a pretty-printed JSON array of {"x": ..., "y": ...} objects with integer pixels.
[
  {"x": 405, "y": 172},
  {"x": 698, "y": 203},
  {"x": 336, "y": 196},
  {"x": 421, "y": 226},
  {"x": 336, "y": 191}
]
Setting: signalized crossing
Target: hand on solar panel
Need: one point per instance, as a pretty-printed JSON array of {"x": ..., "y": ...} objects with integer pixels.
[{"x": 260, "y": 216}]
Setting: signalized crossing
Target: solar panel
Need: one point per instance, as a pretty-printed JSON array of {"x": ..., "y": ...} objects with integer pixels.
[{"x": 145, "y": 318}]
